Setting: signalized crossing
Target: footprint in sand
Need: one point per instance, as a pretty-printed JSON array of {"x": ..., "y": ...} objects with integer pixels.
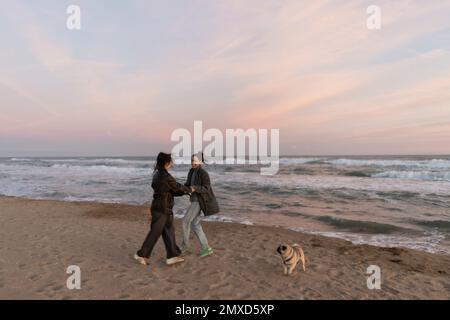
[
  {"x": 41, "y": 290},
  {"x": 395, "y": 260},
  {"x": 181, "y": 291},
  {"x": 242, "y": 259},
  {"x": 390, "y": 290},
  {"x": 219, "y": 285},
  {"x": 174, "y": 281},
  {"x": 57, "y": 288},
  {"x": 336, "y": 274},
  {"x": 34, "y": 277},
  {"x": 225, "y": 275}
]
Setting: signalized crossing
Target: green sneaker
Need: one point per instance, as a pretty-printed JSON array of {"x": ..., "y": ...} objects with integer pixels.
[
  {"x": 185, "y": 249},
  {"x": 205, "y": 252}
]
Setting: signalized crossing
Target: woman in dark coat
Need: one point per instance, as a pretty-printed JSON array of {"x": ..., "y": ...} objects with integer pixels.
[{"x": 165, "y": 188}]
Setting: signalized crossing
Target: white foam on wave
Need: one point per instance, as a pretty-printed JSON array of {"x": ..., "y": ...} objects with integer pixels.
[
  {"x": 60, "y": 160},
  {"x": 216, "y": 218},
  {"x": 103, "y": 160},
  {"x": 323, "y": 182},
  {"x": 429, "y": 242},
  {"x": 92, "y": 199},
  {"x": 101, "y": 168},
  {"x": 415, "y": 175},
  {"x": 431, "y": 164},
  {"x": 288, "y": 161}
]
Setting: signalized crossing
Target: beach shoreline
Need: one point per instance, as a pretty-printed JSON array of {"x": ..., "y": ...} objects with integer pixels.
[
  {"x": 41, "y": 238},
  {"x": 384, "y": 201}
]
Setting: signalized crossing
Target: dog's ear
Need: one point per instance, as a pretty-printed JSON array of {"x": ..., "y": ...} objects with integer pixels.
[{"x": 283, "y": 248}]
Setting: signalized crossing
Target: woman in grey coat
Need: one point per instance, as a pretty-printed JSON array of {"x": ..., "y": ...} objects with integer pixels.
[{"x": 202, "y": 200}]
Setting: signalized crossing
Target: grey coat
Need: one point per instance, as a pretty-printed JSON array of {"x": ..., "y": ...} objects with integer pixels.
[{"x": 205, "y": 195}]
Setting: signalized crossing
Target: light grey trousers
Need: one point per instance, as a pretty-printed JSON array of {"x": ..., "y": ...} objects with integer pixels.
[{"x": 192, "y": 220}]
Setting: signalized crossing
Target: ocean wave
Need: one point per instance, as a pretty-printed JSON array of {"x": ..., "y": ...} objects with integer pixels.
[
  {"x": 76, "y": 163},
  {"x": 132, "y": 162},
  {"x": 102, "y": 168},
  {"x": 432, "y": 163},
  {"x": 319, "y": 183},
  {"x": 397, "y": 195},
  {"x": 359, "y": 226},
  {"x": 428, "y": 242},
  {"x": 438, "y": 224},
  {"x": 59, "y": 160},
  {"x": 216, "y": 218},
  {"x": 415, "y": 175},
  {"x": 273, "y": 205},
  {"x": 361, "y": 174},
  {"x": 103, "y": 161},
  {"x": 288, "y": 161}
]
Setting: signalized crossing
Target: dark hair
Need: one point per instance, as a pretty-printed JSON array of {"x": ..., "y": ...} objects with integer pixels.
[
  {"x": 200, "y": 156},
  {"x": 162, "y": 159}
]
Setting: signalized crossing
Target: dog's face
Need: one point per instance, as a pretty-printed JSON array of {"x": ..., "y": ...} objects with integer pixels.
[
  {"x": 291, "y": 255},
  {"x": 283, "y": 249}
]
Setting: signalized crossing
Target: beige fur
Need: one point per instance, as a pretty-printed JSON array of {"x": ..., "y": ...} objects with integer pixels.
[{"x": 291, "y": 255}]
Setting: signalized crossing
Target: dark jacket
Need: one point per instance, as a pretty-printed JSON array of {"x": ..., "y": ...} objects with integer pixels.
[
  {"x": 206, "y": 198},
  {"x": 165, "y": 187}
]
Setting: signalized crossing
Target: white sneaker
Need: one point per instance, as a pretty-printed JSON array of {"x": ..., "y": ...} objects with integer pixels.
[
  {"x": 141, "y": 260},
  {"x": 174, "y": 260}
]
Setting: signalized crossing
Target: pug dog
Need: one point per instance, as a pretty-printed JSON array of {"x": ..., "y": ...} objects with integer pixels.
[{"x": 291, "y": 255}]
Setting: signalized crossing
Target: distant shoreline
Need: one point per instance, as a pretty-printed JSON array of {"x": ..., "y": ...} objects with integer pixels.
[{"x": 281, "y": 156}]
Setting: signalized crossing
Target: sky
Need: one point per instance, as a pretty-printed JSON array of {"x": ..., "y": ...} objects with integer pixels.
[{"x": 138, "y": 70}]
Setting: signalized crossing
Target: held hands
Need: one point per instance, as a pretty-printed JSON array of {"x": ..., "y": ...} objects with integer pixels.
[{"x": 192, "y": 190}]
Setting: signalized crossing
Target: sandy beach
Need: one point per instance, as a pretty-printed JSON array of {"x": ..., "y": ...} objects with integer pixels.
[{"x": 41, "y": 238}]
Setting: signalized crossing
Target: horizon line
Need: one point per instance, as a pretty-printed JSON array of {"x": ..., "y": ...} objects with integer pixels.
[{"x": 281, "y": 156}]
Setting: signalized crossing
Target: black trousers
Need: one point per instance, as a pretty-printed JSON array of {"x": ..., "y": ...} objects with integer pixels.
[{"x": 161, "y": 225}]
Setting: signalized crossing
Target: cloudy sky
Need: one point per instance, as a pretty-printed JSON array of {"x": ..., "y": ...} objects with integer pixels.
[{"x": 137, "y": 70}]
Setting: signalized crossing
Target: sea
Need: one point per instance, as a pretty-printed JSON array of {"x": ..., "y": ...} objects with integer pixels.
[{"x": 387, "y": 201}]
